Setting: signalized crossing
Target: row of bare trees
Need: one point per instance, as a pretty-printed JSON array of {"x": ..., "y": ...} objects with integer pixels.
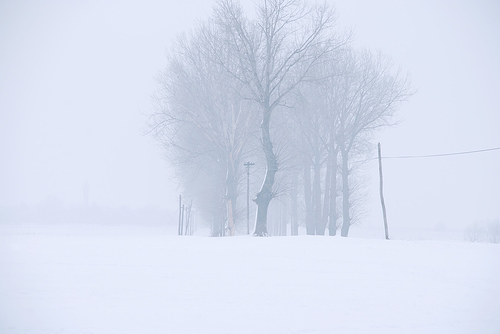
[{"x": 283, "y": 88}]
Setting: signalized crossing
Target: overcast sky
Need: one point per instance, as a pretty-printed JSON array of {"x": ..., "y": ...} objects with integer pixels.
[{"x": 76, "y": 79}]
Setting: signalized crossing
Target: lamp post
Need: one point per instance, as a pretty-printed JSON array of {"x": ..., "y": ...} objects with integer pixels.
[{"x": 247, "y": 165}]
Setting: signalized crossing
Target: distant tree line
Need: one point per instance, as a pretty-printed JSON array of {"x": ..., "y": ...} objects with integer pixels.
[{"x": 284, "y": 88}]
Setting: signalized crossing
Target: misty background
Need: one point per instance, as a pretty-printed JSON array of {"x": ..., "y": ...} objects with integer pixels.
[{"x": 76, "y": 80}]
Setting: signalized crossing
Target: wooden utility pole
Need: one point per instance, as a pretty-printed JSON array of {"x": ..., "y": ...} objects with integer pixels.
[
  {"x": 382, "y": 192},
  {"x": 247, "y": 165}
]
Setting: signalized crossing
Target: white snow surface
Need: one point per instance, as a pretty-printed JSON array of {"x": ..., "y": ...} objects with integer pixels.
[{"x": 89, "y": 279}]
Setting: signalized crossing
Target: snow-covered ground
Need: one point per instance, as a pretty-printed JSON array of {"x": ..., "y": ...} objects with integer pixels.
[{"x": 90, "y": 279}]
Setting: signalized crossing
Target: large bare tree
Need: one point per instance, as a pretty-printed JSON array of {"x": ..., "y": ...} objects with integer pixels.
[
  {"x": 205, "y": 122},
  {"x": 368, "y": 93},
  {"x": 317, "y": 122},
  {"x": 276, "y": 52},
  {"x": 353, "y": 94}
]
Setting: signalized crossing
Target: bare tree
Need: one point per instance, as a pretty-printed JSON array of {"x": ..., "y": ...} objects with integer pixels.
[
  {"x": 369, "y": 91},
  {"x": 204, "y": 121},
  {"x": 312, "y": 123},
  {"x": 233, "y": 72},
  {"x": 317, "y": 123},
  {"x": 353, "y": 94},
  {"x": 276, "y": 53}
]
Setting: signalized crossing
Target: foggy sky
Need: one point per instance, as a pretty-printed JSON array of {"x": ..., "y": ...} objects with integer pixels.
[{"x": 76, "y": 80}]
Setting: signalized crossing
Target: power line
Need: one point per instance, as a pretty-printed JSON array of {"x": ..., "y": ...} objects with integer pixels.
[{"x": 441, "y": 155}]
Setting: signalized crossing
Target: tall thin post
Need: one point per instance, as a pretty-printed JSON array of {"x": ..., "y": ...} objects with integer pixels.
[
  {"x": 247, "y": 165},
  {"x": 182, "y": 220},
  {"x": 382, "y": 192}
]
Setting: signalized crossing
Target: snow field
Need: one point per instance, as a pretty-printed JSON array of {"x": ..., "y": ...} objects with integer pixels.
[{"x": 143, "y": 280}]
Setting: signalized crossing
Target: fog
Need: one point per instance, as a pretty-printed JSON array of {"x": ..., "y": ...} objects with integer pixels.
[{"x": 76, "y": 80}]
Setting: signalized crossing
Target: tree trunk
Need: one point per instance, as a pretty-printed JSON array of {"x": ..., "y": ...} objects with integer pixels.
[
  {"x": 265, "y": 194},
  {"x": 230, "y": 217},
  {"x": 346, "y": 220},
  {"x": 294, "y": 221},
  {"x": 310, "y": 227},
  {"x": 261, "y": 219},
  {"x": 283, "y": 219},
  {"x": 317, "y": 196},
  {"x": 231, "y": 195},
  {"x": 326, "y": 198},
  {"x": 332, "y": 216}
]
